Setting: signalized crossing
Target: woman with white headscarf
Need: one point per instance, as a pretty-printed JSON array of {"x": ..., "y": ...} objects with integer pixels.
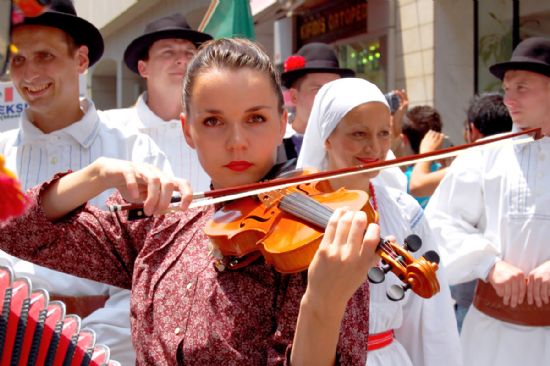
[{"x": 350, "y": 125}]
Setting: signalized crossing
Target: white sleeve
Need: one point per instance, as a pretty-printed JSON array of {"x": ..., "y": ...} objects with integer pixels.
[{"x": 456, "y": 214}]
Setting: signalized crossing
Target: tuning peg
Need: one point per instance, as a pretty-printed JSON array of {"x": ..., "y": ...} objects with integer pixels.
[
  {"x": 377, "y": 274},
  {"x": 412, "y": 243},
  {"x": 431, "y": 256},
  {"x": 396, "y": 292}
]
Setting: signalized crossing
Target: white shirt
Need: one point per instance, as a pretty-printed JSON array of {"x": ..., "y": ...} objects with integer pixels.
[
  {"x": 425, "y": 329},
  {"x": 36, "y": 157},
  {"x": 491, "y": 205},
  {"x": 168, "y": 135}
]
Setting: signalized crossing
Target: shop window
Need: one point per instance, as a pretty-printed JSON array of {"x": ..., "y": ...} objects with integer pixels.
[
  {"x": 494, "y": 39},
  {"x": 366, "y": 58}
]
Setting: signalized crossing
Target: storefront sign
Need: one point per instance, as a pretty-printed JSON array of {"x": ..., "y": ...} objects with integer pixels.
[
  {"x": 332, "y": 21},
  {"x": 11, "y": 106}
]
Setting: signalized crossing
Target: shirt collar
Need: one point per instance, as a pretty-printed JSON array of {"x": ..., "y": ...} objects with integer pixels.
[
  {"x": 147, "y": 117},
  {"x": 83, "y": 131},
  {"x": 543, "y": 141}
]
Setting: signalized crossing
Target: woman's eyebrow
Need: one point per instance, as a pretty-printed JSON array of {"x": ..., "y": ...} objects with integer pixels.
[
  {"x": 258, "y": 107},
  {"x": 251, "y": 109}
]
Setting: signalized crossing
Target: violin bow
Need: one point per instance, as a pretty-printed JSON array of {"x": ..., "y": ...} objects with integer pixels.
[{"x": 232, "y": 193}]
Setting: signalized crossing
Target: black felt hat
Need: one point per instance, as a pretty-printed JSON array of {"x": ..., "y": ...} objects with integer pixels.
[
  {"x": 532, "y": 54},
  {"x": 61, "y": 14},
  {"x": 312, "y": 58},
  {"x": 171, "y": 26}
]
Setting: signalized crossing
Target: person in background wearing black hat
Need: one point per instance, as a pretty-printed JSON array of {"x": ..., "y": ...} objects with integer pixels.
[
  {"x": 491, "y": 214},
  {"x": 314, "y": 65},
  {"x": 57, "y": 132},
  {"x": 161, "y": 56}
]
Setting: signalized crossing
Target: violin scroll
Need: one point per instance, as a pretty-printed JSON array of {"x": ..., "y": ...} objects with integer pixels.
[{"x": 416, "y": 274}]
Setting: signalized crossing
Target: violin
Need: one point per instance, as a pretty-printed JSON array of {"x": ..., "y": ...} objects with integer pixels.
[{"x": 286, "y": 226}]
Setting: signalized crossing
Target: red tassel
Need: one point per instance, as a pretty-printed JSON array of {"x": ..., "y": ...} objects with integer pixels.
[{"x": 13, "y": 201}]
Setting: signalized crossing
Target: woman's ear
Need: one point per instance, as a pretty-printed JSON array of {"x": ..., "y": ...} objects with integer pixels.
[
  {"x": 186, "y": 131},
  {"x": 327, "y": 144}
]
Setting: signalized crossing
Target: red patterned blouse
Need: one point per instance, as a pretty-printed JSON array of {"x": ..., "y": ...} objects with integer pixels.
[{"x": 183, "y": 310}]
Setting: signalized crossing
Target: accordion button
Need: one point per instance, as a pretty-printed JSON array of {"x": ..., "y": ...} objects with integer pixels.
[{"x": 177, "y": 330}]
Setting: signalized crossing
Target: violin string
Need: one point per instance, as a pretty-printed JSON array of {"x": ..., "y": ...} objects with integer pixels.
[
  {"x": 388, "y": 249},
  {"x": 306, "y": 208},
  {"x": 389, "y": 252},
  {"x": 322, "y": 211},
  {"x": 392, "y": 253}
]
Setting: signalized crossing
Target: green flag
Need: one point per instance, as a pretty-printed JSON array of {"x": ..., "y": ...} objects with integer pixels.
[{"x": 229, "y": 18}]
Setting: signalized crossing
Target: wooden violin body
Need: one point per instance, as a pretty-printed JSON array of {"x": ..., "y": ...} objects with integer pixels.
[{"x": 258, "y": 224}]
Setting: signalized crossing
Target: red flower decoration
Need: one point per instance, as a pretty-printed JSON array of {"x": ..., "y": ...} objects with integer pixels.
[{"x": 294, "y": 62}]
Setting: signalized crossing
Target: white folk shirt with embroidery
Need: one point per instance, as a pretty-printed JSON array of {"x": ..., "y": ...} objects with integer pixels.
[
  {"x": 425, "y": 329},
  {"x": 168, "y": 135},
  {"x": 495, "y": 205},
  {"x": 36, "y": 157}
]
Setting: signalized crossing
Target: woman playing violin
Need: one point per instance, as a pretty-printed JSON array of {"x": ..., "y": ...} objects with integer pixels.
[
  {"x": 184, "y": 309},
  {"x": 350, "y": 125}
]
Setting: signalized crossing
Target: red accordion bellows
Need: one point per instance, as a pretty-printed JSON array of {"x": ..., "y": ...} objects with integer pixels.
[{"x": 36, "y": 331}]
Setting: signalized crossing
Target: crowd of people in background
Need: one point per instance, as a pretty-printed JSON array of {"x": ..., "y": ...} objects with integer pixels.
[{"x": 157, "y": 292}]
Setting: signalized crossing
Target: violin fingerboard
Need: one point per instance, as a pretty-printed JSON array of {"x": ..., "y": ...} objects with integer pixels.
[{"x": 307, "y": 209}]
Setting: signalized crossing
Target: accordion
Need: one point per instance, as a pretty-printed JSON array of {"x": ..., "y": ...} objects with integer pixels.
[{"x": 36, "y": 331}]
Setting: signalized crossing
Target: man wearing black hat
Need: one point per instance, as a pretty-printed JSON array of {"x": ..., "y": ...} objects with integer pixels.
[
  {"x": 58, "y": 132},
  {"x": 491, "y": 214},
  {"x": 314, "y": 65},
  {"x": 161, "y": 56}
]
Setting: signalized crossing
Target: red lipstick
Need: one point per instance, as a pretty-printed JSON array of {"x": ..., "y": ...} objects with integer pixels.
[
  {"x": 367, "y": 160},
  {"x": 238, "y": 166}
]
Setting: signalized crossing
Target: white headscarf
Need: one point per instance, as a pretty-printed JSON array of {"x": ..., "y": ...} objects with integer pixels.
[{"x": 333, "y": 101}]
